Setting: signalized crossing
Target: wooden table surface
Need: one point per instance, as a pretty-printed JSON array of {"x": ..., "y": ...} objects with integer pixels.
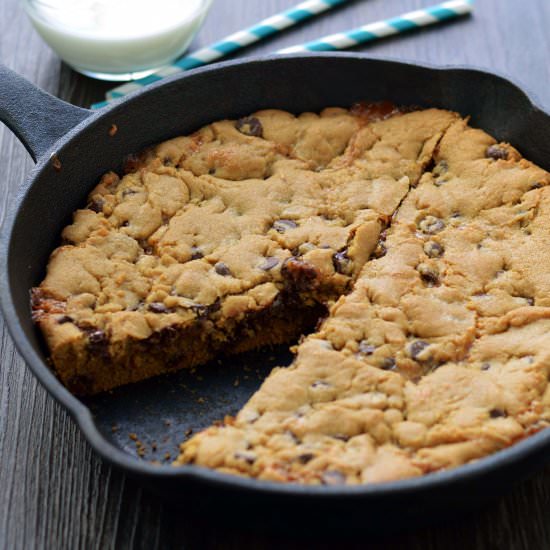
[{"x": 54, "y": 492}]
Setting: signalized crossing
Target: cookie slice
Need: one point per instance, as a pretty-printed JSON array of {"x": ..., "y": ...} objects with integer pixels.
[
  {"x": 235, "y": 237},
  {"x": 438, "y": 356}
]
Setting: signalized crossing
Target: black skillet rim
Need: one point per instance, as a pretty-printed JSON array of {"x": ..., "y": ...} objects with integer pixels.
[{"x": 518, "y": 452}]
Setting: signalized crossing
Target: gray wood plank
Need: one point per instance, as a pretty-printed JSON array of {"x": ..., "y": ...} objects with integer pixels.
[{"x": 54, "y": 492}]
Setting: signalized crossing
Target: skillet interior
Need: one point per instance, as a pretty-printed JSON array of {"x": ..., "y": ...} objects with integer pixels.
[{"x": 161, "y": 408}]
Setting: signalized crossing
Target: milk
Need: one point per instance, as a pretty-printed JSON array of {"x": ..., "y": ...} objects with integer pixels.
[{"x": 117, "y": 39}]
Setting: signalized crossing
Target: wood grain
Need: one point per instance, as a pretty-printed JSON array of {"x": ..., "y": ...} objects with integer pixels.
[{"x": 54, "y": 492}]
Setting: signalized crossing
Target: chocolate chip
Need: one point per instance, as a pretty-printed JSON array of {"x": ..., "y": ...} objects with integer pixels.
[
  {"x": 320, "y": 384},
  {"x": 442, "y": 167},
  {"x": 379, "y": 251},
  {"x": 147, "y": 248},
  {"x": 365, "y": 348},
  {"x": 128, "y": 192},
  {"x": 157, "y": 307},
  {"x": 97, "y": 336},
  {"x": 196, "y": 253},
  {"x": 433, "y": 249},
  {"x": 388, "y": 363},
  {"x": 201, "y": 311},
  {"x": 496, "y": 152},
  {"x": 414, "y": 349},
  {"x": 497, "y": 413},
  {"x": 216, "y": 306},
  {"x": 269, "y": 263},
  {"x": 222, "y": 269},
  {"x": 250, "y": 126},
  {"x": 305, "y": 458},
  {"x": 299, "y": 273},
  {"x": 125, "y": 224},
  {"x": 431, "y": 225},
  {"x": 485, "y": 366},
  {"x": 211, "y": 171},
  {"x": 341, "y": 262},
  {"x": 341, "y": 437},
  {"x": 170, "y": 332},
  {"x": 291, "y": 434},
  {"x": 64, "y": 319},
  {"x": 283, "y": 225},
  {"x": 249, "y": 458},
  {"x": 96, "y": 205},
  {"x": 97, "y": 340},
  {"x": 332, "y": 477},
  {"x": 530, "y": 301},
  {"x": 429, "y": 274},
  {"x": 536, "y": 185}
]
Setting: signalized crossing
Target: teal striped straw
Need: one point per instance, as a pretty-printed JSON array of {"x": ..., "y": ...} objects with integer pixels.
[
  {"x": 339, "y": 41},
  {"x": 381, "y": 29}
]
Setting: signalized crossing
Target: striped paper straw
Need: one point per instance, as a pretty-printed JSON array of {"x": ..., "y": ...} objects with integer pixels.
[
  {"x": 230, "y": 44},
  {"x": 339, "y": 41},
  {"x": 388, "y": 27}
]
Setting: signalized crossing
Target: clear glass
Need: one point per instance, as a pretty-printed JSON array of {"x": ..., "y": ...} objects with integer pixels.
[{"x": 117, "y": 39}]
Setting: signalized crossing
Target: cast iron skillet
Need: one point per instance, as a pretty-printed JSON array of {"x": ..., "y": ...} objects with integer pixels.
[{"x": 73, "y": 147}]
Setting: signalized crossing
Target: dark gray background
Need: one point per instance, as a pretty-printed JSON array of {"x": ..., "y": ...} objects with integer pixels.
[{"x": 54, "y": 493}]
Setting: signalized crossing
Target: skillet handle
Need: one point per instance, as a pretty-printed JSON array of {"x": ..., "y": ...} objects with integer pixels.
[{"x": 37, "y": 118}]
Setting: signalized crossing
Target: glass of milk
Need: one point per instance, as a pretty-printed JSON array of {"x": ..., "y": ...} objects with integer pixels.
[{"x": 117, "y": 39}]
